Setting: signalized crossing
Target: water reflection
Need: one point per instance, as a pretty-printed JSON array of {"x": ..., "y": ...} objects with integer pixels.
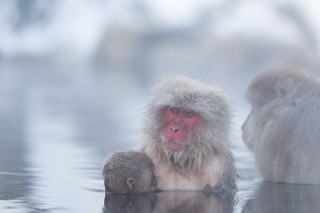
[
  {"x": 173, "y": 201},
  {"x": 129, "y": 203},
  {"x": 279, "y": 198}
]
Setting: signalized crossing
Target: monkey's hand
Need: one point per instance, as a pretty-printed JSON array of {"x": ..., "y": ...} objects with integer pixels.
[{"x": 218, "y": 190}]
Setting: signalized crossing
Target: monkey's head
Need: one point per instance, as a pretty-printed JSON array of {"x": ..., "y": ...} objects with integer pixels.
[
  {"x": 129, "y": 172},
  {"x": 186, "y": 119}
]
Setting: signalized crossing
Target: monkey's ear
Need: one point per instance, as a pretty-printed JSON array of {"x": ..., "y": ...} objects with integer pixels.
[
  {"x": 285, "y": 87},
  {"x": 130, "y": 182}
]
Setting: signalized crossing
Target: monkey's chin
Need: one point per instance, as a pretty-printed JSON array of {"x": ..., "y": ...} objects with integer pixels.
[{"x": 174, "y": 146}]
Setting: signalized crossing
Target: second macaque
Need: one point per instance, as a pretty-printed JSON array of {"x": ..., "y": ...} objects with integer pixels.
[
  {"x": 283, "y": 129},
  {"x": 129, "y": 172},
  {"x": 187, "y": 135}
]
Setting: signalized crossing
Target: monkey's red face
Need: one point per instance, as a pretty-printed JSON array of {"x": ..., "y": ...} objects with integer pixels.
[{"x": 178, "y": 124}]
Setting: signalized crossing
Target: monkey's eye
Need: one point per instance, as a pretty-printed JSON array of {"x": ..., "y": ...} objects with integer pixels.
[
  {"x": 174, "y": 110},
  {"x": 190, "y": 114}
]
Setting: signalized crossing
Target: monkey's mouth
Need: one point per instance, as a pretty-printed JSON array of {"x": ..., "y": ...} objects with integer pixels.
[{"x": 175, "y": 146}]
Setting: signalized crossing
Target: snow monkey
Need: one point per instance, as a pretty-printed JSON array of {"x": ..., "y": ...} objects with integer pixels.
[
  {"x": 129, "y": 172},
  {"x": 187, "y": 136},
  {"x": 283, "y": 127}
]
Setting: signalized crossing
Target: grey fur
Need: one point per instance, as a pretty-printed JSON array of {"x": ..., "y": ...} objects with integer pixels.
[
  {"x": 210, "y": 143},
  {"x": 283, "y": 128},
  {"x": 129, "y": 172}
]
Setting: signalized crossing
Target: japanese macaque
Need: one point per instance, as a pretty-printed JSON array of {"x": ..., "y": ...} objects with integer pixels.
[
  {"x": 283, "y": 128},
  {"x": 187, "y": 136},
  {"x": 129, "y": 172}
]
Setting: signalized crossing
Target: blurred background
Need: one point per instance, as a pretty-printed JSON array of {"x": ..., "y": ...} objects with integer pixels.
[{"x": 76, "y": 74}]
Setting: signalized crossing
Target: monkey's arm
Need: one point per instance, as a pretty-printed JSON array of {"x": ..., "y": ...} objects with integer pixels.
[{"x": 220, "y": 190}]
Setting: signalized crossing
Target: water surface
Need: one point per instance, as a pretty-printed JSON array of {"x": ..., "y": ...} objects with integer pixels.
[{"x": 58, "y": 123}]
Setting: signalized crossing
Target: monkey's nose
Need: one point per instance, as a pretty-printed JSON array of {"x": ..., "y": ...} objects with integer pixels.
[{"x": 174, "y": 129}]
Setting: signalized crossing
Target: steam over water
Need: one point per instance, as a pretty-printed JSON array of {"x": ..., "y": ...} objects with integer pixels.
[{"x": 75, "y": 76}]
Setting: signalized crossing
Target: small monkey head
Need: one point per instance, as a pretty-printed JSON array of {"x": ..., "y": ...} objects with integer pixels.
[{"x": 129, "y": 172}]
